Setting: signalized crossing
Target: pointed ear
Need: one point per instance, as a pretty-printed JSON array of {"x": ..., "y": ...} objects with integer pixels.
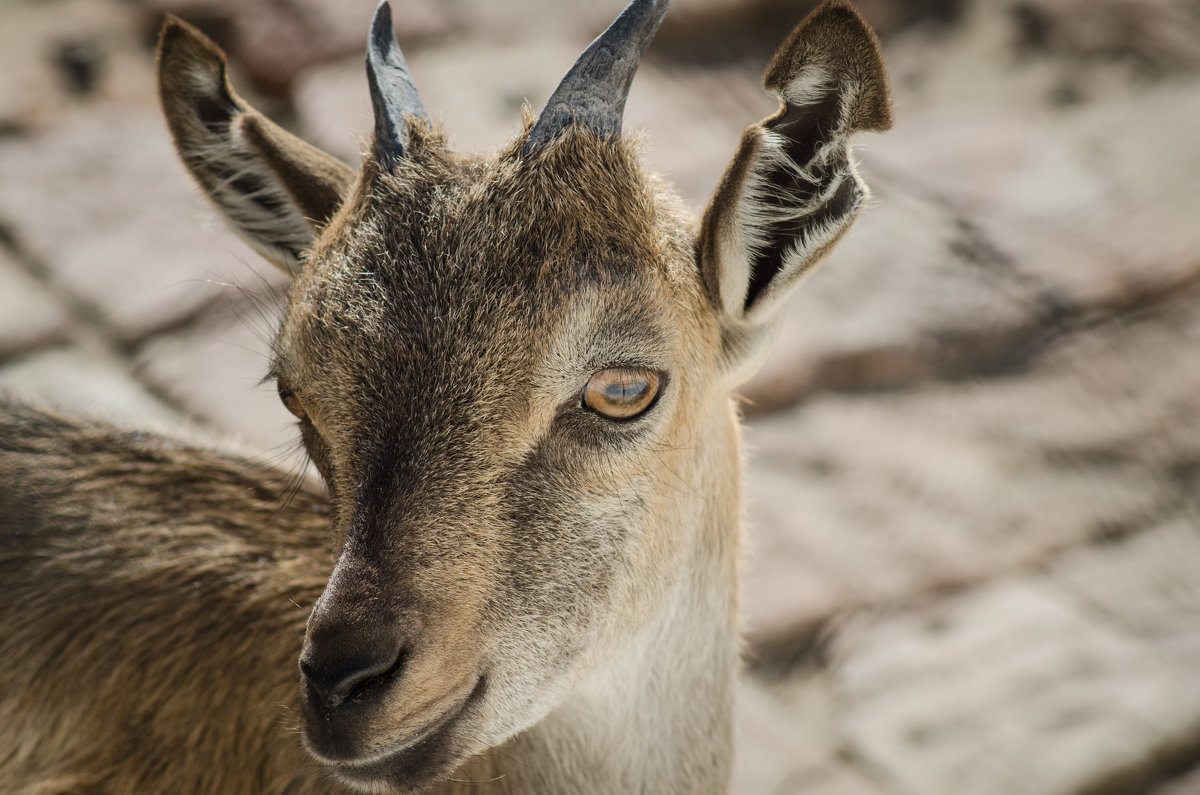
[
  {"x": 274, "y": 190},
  {"x": 792, "y": 189}
]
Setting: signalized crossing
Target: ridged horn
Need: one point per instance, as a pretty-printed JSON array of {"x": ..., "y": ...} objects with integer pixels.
[
  {"x": 593, "y": 92},
  {"x": 393, "y": 93}
]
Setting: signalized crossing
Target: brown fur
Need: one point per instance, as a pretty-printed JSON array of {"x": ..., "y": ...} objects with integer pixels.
[
  {"x": 155, "y": 594},
  {"x": 841, "y": 46},
  {"x": 540, "y": 599}
]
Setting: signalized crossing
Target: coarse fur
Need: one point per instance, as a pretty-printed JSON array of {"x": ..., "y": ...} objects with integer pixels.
[
  {"x": 509, "y": 591},
  {"x": 151, "y": 612}
]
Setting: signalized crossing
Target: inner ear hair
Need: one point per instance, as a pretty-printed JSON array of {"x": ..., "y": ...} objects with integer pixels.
[
  {"x": 273, "y": 189},
  {"x": 792, "y": 189}
]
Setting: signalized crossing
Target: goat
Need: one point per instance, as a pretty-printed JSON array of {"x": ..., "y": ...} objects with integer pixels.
[{"x": 514, "y": 376}]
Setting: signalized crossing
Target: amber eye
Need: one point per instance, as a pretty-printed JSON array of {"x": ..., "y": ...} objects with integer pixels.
[
  {"x": 290, "y": 401},
  {"x": 621, "y": 393}
]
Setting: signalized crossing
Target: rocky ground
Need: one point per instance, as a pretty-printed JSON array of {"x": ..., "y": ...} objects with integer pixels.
[{"x": 974, "y": 558}]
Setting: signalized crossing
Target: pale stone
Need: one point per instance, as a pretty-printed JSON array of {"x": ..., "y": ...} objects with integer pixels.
[
  {"x": 987, "y": 229},
  {"x": 476, "y": 87},
  {"x": 35, "y": 90},
  {"x": 334, "y": 107},
  {"x": 909, "y": 293},
  {"x": 214, "y": 370},
  {"x": 690, "y": 122},
  {"x": 1095, "y": 208},
  {"x": 856, "y": 502},
  {"x": 772, "y": 741},
  {"x": 787, "y": 741},
  {"x": 1149, "y": 582},
  {"x": 87, "y": 382},
  {"x": 276, "y": 42},
  {"x": 1011, "y": 690},
  {"x": 29, "y": 314},
  {"x": 103, "y": 202}
]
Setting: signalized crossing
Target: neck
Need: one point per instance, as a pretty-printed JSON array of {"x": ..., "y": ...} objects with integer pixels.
[{"x": 658, "y": 717}]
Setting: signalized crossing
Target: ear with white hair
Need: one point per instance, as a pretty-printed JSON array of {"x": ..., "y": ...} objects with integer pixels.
[
  {"x": 792, "y": 190},
  {"x": 274, "y": 190}
]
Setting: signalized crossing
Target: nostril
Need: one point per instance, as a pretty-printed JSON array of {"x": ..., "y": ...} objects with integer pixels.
[
  {"x": 349, "y": 678},
  {"x": 356, "y": 684}
]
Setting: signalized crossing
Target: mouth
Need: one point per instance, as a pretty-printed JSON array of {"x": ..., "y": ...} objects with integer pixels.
[{"x": 435, "y": 752}]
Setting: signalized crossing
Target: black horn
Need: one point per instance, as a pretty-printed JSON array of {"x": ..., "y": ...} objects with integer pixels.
[
  {"x": 393, "y": 93},
  {"x": 593, "y": 93}
]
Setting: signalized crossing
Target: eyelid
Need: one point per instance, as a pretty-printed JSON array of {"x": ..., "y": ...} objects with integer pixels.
[{"x": 289, "y": 398}]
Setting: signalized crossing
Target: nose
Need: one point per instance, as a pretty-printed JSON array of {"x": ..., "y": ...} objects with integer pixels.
[{"x": 338, "y": 668}]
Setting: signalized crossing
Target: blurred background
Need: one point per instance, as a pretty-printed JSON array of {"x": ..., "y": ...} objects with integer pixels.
[{"x": 974, "y": 559}]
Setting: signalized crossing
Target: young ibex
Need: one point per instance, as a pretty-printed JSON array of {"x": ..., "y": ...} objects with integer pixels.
[{"x": 514, "y": 375}]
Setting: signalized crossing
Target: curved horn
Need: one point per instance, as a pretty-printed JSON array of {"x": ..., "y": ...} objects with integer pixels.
[
  {"x": 393, "y": 93},
  {"x": 593, "y": 93}
]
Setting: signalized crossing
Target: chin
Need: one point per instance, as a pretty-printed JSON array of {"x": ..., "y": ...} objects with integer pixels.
[{"x": 414, "y": 767}]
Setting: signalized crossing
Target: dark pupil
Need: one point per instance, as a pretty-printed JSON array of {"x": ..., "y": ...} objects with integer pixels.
[{"x": 626, "y": 390}]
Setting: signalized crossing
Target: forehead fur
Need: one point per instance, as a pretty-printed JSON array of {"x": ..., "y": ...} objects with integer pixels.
[{"x": 441, "y": 237}]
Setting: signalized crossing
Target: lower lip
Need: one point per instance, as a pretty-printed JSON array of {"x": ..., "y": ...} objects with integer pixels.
[{"x": 420, "y": 761}]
